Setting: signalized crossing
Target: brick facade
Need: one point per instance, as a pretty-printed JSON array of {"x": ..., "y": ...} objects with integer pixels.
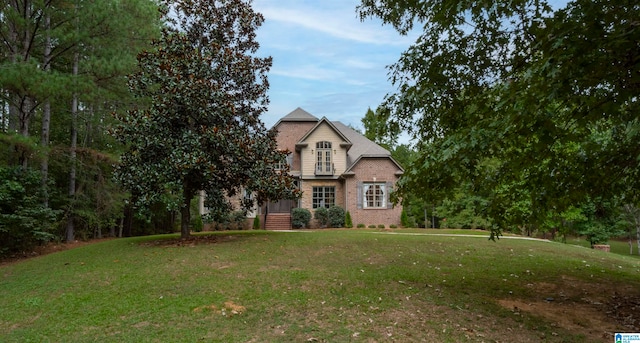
[
  {"x": 384, "y": 171},
  {"x": 355, "y": 160},
  {"x": 289, "y": 133}
]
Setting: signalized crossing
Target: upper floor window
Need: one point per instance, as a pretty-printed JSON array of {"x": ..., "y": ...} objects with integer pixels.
[
  {"x": 282, "y": 164},
  {"x": 324, "y": 164}
]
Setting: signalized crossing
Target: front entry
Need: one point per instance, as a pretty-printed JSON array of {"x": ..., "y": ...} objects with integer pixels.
[{"x": 282, "y": 206}]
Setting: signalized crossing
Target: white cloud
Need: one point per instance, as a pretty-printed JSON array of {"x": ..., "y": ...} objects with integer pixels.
[
  {"x": 335, "y": 18},
  {"x": 308, "y": 72},
  {"x": 325, "y": 59}
]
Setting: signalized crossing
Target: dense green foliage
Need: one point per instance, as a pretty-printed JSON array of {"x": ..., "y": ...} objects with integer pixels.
[
  {"x": 348, "y": 222},
  {"x": 202, "y": 130},
  {"x": 300, "y": 217},
  {"x": 231, "y": 220},
  {"x": 336, "y": 215},
  {"x": 63, "y": 73},
  {"x": 24, "y": 220},
  {"x": 463, "y": 210},
  {"x": 378, "y": 129},
  {"x": 531, "y": 109},
  {"x": 321, "y": 214}
]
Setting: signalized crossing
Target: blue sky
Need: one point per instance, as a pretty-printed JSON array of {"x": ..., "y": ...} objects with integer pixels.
[{"x": 325, "y": 60}]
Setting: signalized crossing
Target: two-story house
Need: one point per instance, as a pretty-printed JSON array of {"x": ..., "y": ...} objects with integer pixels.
[{"x": 335, "y": 165}]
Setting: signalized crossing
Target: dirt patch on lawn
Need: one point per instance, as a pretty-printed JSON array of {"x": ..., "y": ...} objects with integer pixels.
[{"x": 597, "y": 309}]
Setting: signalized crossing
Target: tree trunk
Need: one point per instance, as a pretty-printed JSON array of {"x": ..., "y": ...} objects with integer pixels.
[
  {"x": 638, "y": 236},
  {"x": 185, "y": 216},
  {"x": 127, "y": 224},
  {"x": 70, "y": 232},
  {"x": 46, "y": 116},
  {"x": 185, "y": 211}
]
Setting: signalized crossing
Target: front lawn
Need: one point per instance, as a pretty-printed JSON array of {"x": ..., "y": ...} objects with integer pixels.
[{"x": 323, "y": 286}]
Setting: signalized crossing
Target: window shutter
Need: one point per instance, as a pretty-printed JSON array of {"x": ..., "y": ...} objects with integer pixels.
[
  {"x": 388, "y": 195},
  {"x": 359, "y": 195}
]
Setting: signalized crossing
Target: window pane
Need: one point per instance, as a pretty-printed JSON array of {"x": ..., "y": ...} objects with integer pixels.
[
  {"x": 374, "y": 195},
  {"x": 323, "y": 196}
]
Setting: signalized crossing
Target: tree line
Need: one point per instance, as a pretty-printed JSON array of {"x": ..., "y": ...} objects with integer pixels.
[
  {"x": 524, "y": 116},
  {"x": 63, "y": 72},
  {"x": 115, "y": 112}
]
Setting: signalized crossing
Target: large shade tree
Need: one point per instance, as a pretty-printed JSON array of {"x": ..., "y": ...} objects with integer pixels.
[
  {"x": 202, "y": 130},
  {"x": 550, "y": 96}
]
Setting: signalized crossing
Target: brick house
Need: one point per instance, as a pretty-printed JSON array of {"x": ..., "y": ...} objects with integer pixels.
[{"x": 334, "y": 165}]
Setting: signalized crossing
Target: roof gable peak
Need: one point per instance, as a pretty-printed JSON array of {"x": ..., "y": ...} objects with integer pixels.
[{"x": 298, "y": 115}]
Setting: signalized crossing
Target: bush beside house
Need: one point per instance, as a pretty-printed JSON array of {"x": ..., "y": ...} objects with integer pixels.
[{"x": 300, "y": 218}]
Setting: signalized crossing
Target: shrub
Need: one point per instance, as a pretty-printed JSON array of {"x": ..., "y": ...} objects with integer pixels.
[
  {"x": 234, "y": 220},
  {"x": 256, "y": 223},
  {"x": 300, "y": 218},
  {"x": 372, "y": 226},
  {"x": 24, "y": 221},
  {"x": 196, "y": 223},
  {"x": 322, "y": 216},
  {"x": 348, "y": 223},
  {"x": 381, "y": 226},
  {"x": 336, "y": 216},
  {"x": 361, "y": 226},
  {"x": 404, "y": 218},
  {"x": 393, "y": 226},
  {"x": 238, "y": 219}
]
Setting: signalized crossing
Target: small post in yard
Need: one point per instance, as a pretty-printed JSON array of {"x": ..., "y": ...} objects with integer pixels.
[
  {"x": 433, "y": 217},
  {"x": 425, "y": 218}
]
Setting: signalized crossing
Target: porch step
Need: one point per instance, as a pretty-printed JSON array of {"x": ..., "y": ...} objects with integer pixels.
[{"x": 278, "y": 221}]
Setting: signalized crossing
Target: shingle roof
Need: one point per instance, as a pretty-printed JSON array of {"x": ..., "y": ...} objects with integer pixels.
[
  {"x": 298, "y": 115},
  {"x": 360, "y": 146}
]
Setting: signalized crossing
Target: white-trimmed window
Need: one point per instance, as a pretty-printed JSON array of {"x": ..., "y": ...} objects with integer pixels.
[
  {"x": 324, "y": 165},
  {"x": 374, "y": 194},
  {"x": 324, "y": 196}
]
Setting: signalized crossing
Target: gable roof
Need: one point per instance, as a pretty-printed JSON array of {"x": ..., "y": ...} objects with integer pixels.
[
  {"x": 345, "y": 141},
  {"x": 362, "y": 148},
  {"x": 358, "y": 146},
  {"x": 298, "y": 115},
  {"x": 361, "y": 144}
]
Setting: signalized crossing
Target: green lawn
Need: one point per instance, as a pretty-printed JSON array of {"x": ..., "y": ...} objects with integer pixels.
[{"x": 324, "y": 286}]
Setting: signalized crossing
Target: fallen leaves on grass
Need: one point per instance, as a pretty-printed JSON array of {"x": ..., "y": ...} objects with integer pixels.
[{"x": 229, "y": 309}]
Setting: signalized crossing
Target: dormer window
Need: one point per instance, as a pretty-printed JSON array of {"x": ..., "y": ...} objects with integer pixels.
[{"x": 324, "y": 164}]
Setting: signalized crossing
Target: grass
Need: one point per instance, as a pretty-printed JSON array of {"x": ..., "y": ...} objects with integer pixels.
[
  {"x": 617, "y": 246},
  {"x": 324, "y": 286}
]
